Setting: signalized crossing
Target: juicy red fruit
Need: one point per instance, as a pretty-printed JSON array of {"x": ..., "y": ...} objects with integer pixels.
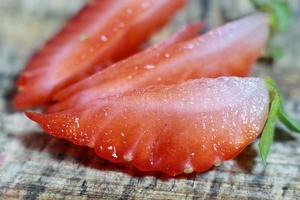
[
  {"x": 174, "y": 129},
  {"x": 230, "y": 50},
  {"x": 104, "y": 31}
]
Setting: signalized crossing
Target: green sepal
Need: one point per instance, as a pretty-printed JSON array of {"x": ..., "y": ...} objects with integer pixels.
[
  {"x": 276, "y": 111},
  {"x": 280, "y": 13},
  {"x": 290, "y": 123},
  {"x": 273, "y": 52},
  {"x": 267, "y": 136},
  {"x": 280, "y": 16}
]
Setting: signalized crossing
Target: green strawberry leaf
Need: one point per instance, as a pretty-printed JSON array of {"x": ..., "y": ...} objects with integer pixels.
[
  {"x": 290, "y": 123},
  {"x": 275, "y": 112},
  {"x": 273, "y": 52},
  {"x": 280, "y": 17},
  {"x": 280, "y": 13},
  {"x": 267, "y": 136}
]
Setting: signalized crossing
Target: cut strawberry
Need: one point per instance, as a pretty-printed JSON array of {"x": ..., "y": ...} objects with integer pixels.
[
  {"x": 187, "y": 32},
  {"x": 174, "y": 129},
  {"x": 104, "y": 31},
  {"x": 231, "y": 49}
]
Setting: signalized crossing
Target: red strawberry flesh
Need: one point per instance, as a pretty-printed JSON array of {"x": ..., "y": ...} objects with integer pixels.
[
  {"x": 229, "y": 50},
  {"x": 104, "y": 31},
  {"x": 174, "y": 129}
]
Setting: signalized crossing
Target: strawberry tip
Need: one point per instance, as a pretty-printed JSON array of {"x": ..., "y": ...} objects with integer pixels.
[{"x": 34, "y": 116}]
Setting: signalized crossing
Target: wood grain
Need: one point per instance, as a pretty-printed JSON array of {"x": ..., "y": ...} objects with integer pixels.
[{"x": 34, "y": 165}]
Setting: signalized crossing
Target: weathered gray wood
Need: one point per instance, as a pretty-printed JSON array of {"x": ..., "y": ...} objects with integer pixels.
[{"x": 34, "y": 165}]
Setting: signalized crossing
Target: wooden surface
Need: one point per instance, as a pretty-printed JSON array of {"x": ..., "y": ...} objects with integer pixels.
[{"x": 34, "y": 165}]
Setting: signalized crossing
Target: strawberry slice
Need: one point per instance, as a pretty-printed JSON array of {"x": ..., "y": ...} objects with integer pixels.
[
  {"x": 231, "y": 49},
  {"x": 102, "y": 32},
  {"x": 185, "y": 33},
  {"x": 174, "y": 129}
]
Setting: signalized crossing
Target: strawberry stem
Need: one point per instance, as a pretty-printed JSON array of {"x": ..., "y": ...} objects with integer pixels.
[{"x": 276, "y": 111}]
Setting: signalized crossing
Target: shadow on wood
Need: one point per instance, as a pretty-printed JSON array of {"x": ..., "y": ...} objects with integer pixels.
[
  {"x": 282, "y": 135},
  {"x": 63, "y": 150},
  {"x": 9, "y": 94},
  {"x": 246, "y": 159}
]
